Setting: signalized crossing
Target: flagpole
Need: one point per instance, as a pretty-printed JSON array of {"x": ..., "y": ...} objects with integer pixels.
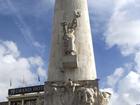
[
  {"x": 39, "y": 79},
  {"x": 10, "y": 82}
]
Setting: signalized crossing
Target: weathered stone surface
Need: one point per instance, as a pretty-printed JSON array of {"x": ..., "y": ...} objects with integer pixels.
[
  {"x": 70, "y": 62},
  {"x": 104, "y": 98},
  {"x": 75, "y": 14},
  {"x": 74, "y": 93}
]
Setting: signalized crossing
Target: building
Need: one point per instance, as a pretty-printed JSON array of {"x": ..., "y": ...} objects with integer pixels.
[
  {"x": 33, "y": 95},
  {"x": 3, "y": 103}
]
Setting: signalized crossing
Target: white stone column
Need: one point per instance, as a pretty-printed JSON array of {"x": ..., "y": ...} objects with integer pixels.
[
  {"x": 22, "y": 101},
  {"x": 9, "y": 102},
  {"x": 86, "y": 70}
]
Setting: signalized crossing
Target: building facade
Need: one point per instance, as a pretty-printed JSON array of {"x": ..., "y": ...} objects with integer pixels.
[
  {"x": 33, "y": 95},
  {"x": 27, "y": 99},
  {"x": 3, "y": 103}
]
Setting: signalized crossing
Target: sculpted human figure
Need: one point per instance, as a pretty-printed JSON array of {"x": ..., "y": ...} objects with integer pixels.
[
  {"x": 71, "y": 84},
  {"x": 95, "y": 95},
  {"x": 90, "y": 98},
  {"x": 104, "y": 98},
  {"x": 86, "y": 96},
  {"x": 69, "y": 35}
]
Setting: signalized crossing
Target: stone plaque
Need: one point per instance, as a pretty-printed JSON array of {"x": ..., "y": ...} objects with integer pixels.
[{"x": 70, "y": 62}]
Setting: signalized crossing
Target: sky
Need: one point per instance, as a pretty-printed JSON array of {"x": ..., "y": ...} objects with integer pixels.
[{"x": 25, "y": 37}]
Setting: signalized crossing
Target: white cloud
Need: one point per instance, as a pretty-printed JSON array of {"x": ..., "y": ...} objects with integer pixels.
[
  {"x": 36, "y": 61},
  {"x": 41, "y": 72},
  {"x": 123, "y": 31},
  {"x": 115, "y": 77},
  {"x": 128, "y": 92},
  {"x": 8, "y": 47},
  {"x": 19, "y": 70},
  {"x": 39, "y": 63},
  {"x": 137, "y": 61}
]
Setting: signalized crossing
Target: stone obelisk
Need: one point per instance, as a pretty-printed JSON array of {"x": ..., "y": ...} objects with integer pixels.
[{"x": 72, "y": 78}]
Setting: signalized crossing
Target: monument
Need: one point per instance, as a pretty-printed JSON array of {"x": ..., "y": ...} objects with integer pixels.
[{"x": 72, "y": 78}]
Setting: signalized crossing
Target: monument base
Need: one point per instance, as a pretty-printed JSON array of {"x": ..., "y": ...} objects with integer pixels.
[{"x": 75, "y": 93}]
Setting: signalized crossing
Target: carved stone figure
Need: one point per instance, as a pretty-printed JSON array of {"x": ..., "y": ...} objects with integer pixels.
[
  {"x": 104, "y": 98},
  {"x": 89, "y": 96},
  {"x": 71, "y": 85},
  {"x": 85, "y": 96},
  {"x": 95, "y": 96},
  {"x": 75, "y": 93},
  {"x": 69, "y": 35}
]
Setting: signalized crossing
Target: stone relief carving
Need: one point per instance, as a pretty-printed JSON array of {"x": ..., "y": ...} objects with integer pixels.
[
  {"x": 90, "y": 96},
  {"x": 104, "y": 98},
  {"x": 69, "y": 35},
  {"x": 75, "y": 93},
  {"x": 72, "y": 85},
  {"x": 87, "y": 96}
]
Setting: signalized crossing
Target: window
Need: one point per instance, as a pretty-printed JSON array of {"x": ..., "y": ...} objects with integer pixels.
[
  {"x": 16, "y": 103},
  {"x": 30, "y": 102}
]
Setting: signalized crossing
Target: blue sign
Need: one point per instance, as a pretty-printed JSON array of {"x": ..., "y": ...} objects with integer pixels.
[{"x": 24, "y": 90}]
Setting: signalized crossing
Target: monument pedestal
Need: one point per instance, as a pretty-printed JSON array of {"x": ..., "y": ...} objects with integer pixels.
[{"x": 74, "y": 93}]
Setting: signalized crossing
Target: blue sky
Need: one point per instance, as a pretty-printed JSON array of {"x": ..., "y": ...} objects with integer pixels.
[{"x": 25, "y": 39}]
